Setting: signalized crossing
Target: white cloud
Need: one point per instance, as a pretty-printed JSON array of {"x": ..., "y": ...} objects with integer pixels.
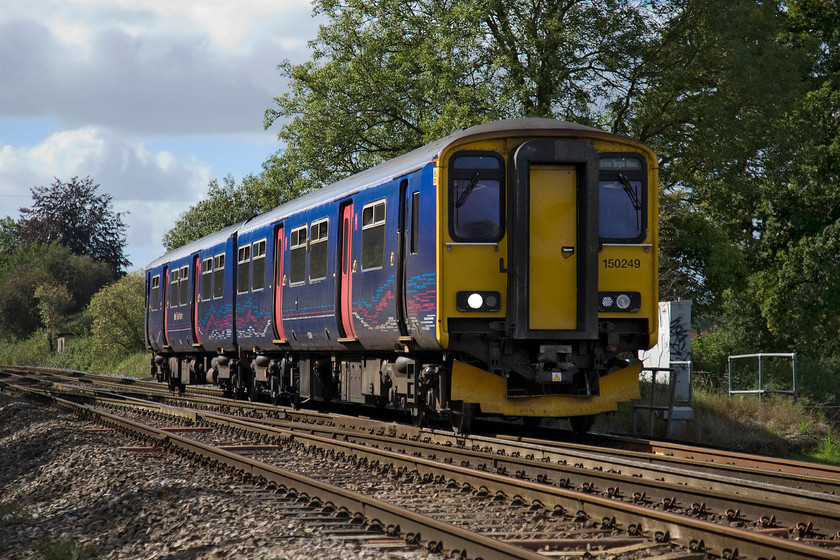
[
  {"x": 110, "y": 78},
  {"x": 154, "y": 187},
  {"x": 164, "y": 68}
]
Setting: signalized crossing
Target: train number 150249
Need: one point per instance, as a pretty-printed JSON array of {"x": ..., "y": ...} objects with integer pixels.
[{"x": 622, "y": 263}]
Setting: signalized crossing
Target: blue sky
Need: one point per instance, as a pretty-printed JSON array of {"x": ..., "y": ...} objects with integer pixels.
[{"x": 150, "y": 98}]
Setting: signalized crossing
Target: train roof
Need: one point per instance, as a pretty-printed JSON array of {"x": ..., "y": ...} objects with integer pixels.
[
  {"x": 197, "y": 245},
  {"x": 395, "y": 167}
]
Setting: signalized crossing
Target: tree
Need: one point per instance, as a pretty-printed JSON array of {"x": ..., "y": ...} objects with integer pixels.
[
  {"x": 390, "y": 76},
  {"x": 53, "y": 302},
  {"x": 74, "y": 215},
  {"x": 719, "y": 79},
  {"x": 228, "y": 203},
  {"x": 117, "y": 312},
  {"x": 36, "y": 265}
]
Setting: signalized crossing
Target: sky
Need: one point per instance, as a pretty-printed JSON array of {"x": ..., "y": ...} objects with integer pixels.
[{"x": 151, "y": 99}]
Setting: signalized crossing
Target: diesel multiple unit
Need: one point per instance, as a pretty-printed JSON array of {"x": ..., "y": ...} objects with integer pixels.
[{"x": 508, "y": 269}]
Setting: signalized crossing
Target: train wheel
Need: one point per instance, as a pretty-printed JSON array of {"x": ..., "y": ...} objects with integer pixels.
[
  {"x": 581, "y": 424},
  {"x": 275, "y": 390},
  {"x": 462, "y": 417}
]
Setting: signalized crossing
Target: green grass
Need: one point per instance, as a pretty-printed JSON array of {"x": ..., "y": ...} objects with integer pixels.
[
  {"x": 775, "y": 426},
  {"x": 64, "y": 548}
]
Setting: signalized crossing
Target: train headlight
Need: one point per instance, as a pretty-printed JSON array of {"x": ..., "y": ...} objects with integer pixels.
[
  {"x": 478, "y": 301},
  {"x": 619, "y": 302},
  {"x": 622, "y": 302},
  {"x": 475, "y": 301}
]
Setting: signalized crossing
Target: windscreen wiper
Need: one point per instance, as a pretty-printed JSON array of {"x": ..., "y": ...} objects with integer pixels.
[
  {"x": 468, "y": 191},
  {"x": 631, "y": 193}
]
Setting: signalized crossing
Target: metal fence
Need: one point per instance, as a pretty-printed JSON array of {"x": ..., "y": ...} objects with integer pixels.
[{"x": 761, "y": 390}]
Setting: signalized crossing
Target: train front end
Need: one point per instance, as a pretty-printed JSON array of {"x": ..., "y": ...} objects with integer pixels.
[{"x": 547, "y": 269}]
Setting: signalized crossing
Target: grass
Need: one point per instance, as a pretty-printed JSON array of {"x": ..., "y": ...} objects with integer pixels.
[
  {"x": 65, "y": 548},
  {"x": 775, "y": 426}
]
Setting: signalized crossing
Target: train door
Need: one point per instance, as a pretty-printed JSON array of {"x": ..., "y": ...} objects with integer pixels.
[
  {"x": 196, "y": 276},
  {"x": 554, "y": 240},
  {"x": 400, "y": 276},
  {"x": 553, "y": 217},
  {"x": 345, "y": 266},
  {"x": 279, "y": 280},
  {"x": 165, "y": 305}
]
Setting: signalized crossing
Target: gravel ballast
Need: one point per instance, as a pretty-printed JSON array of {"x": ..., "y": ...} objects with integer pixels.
[{"x": 68, "y": 492}]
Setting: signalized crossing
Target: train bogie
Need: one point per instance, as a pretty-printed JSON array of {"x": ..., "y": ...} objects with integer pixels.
[{"x": 508, "y": 269}]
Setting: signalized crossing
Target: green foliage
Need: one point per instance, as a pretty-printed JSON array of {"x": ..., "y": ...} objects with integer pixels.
[
  {"x": 74, "y": 215},
  {"x": 390, "y": 76},
  {"x": 117, "y": 313},
  {"x": 228, "y": 203},
  {"x": 53, "y": 302},
  {"x": 11, "y": 513},
  {"x": 65, "y": 548},
  {"x": 34, "y": 265},
  {"x": 827, "y": 452}
]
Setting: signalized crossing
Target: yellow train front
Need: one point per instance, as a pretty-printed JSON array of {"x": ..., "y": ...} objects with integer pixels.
[{"x": 546, "y": 269}]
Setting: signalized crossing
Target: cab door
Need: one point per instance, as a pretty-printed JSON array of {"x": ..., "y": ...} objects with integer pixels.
[
  {"x": 553, "y": 218},
  {"x": 554, "y": 240}
]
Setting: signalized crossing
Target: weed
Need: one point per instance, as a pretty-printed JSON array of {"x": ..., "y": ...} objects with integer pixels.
[
  {"x": 65, "y": 548},
  {"x": 11, "y": 513}
]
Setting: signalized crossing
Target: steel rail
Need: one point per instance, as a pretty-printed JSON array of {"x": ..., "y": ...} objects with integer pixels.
[
  {"x": 678, "y": 528},
  {"x": 473, "y": 545},
  {"x": 789, "y": 506},
  {"x": 684, "y": 530}
]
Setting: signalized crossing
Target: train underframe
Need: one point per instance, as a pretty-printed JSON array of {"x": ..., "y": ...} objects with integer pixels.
[{"x": 420, "y": 383}]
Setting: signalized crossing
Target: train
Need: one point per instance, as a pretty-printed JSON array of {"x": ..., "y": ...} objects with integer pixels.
[{"x": 507, "y": 270}]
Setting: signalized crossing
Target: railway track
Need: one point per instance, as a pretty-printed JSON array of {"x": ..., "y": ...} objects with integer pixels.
[{"x": 622, "y": 495}]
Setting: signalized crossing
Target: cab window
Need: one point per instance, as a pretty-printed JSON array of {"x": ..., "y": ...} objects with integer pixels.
[
  {"x": 476, "y": 187},
  {"x": 621, "y": 198}
]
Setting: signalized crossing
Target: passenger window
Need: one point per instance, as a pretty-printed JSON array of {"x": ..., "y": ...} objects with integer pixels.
[
  {"x": 173, "y": 288},
  {"x": 415, "y": 221},
  {"x": 155, "y": 301},
  {"x": 185, "y": 293},
  {"x": 258, "y": 282},
  {"x": 318, "y": 250},
  {"x": 244, "y": 269},
  {"x": 218, "y": 276},
  {"x": 621, "y": 199},
  {"x": 373, "y": 235},
  {"x": 476, "y": 186},
  {"x": 297, "y": 256},
  {"x": 206, "y": 279}
]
